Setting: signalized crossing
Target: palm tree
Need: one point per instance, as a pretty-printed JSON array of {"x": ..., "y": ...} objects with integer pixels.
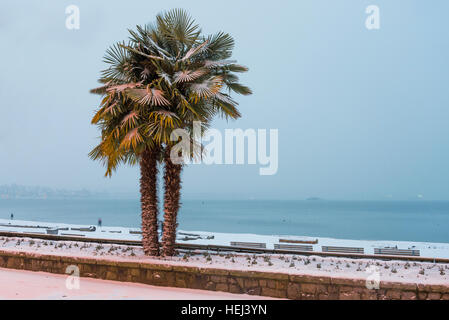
[{"x": 164, "y": 78}]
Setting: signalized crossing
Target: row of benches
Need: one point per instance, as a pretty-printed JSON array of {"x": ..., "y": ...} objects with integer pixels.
[{"x": 384, "y": 251}]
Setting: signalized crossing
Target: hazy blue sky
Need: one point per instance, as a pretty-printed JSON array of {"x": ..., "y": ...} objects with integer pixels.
[{"x": 361, "y": 114}]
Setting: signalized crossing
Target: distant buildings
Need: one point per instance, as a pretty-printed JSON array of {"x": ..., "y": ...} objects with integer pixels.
[{"x": 37, "y": 192}]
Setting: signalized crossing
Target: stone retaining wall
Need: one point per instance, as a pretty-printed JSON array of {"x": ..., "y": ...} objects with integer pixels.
[{"x": 277, "y": 285}]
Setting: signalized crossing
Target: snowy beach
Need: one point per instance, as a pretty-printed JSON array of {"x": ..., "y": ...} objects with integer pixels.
[
  {"x": 392, "y": 270},
  {"x": 427, "y": 249}
]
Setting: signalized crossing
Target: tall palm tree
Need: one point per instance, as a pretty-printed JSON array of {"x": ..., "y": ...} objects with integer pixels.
[{"x": 165, "y": 77}]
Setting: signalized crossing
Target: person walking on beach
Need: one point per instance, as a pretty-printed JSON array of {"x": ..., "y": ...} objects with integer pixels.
[
  {"x": 12, "y": 216},
  {"x": 99, "y": 222}
]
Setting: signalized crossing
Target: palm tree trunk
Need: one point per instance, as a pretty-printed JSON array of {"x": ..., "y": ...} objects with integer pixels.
[
  {"x": 172, "y": 195},
  {"x": 149, "y": 202}
]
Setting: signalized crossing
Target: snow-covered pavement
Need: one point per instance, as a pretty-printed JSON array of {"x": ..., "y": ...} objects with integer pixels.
[{"x": 46, "y": 286}]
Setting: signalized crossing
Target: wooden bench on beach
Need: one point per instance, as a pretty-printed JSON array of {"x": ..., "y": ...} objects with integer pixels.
[
  {"x": 34, "y": 232},
  {"x": 292, "y": 247},
  {"x": 342, "y": 249},
  {"x": 73, "y": 234},
  {"x": 299, "y": 241},
  {"x": 252, "y": 245},
  {"x": 397, "y": 252}
]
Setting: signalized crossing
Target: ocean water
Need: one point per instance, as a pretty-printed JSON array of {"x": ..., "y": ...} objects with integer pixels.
[{"x": 426, "y": 221}]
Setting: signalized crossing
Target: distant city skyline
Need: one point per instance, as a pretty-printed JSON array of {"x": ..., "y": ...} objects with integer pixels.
[{"x": 15, "y": 191}]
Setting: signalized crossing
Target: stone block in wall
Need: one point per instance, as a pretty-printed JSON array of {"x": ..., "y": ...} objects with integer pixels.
[
  {"x": 256, "y": 291},
  {"x": 222, "y": 287},
  {"x": 308, "y": 279},
  {"x": 218, "y": 279},
  {"x": 445, "y": 296},
  {"x": 434, "y": 296},
  {"x": 293, "y": 291},
  {"x": 369, "y": 294},
  {"x": 210, "y": 286},
  {"x": 215, "y": 272},
  {"x": 273, "y": 293},
  {"x": 233, "y": 288},
  {"x": 249, "y": 283},
  {"x": 393, "y": 294},
  {"x": 409, "y": 295}
]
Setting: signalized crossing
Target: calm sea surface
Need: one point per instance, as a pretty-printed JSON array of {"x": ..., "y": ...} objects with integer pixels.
[{"x": 377, "y": 220}]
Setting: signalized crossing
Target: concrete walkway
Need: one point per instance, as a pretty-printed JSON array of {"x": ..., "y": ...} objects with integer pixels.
[{"x": 19, "y": 284}]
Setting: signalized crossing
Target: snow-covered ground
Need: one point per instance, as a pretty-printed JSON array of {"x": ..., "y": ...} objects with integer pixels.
[
  {"x": 427, "y": 249},
  {"x": 19, "y": 284},
  {"x": 401, "y": 271}
]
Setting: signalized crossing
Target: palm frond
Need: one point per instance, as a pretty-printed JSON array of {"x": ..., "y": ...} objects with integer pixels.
[
  {"x": 218, "y": 63},
  {"x": 188, "y": 75},
  {"x": 148, "y": 96},
  {"x": 206, "y": 89},
  {"x": 195, "y": 50},
  {"x": 239, "y": 88},
  {"x": 131, "y": 140}
]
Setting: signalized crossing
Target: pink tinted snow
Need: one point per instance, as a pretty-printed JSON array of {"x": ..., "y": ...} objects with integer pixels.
[{"x": 19, "y": 284}]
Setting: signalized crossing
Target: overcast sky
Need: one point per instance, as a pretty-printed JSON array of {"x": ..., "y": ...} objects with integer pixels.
[{"x": 362, "y": 114}]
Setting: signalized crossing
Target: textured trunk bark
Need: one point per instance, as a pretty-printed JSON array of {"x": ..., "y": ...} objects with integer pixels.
[
  {"x": 172, "y": 195},
  {"x": 149, "y": 202}
]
